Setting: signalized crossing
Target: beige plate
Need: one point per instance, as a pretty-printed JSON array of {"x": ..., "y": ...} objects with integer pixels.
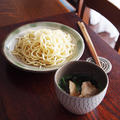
[{"x": 10, "y": 42}]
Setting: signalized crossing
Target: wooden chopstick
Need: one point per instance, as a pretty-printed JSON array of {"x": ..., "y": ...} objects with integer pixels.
[{"x": 89, "y": 43}]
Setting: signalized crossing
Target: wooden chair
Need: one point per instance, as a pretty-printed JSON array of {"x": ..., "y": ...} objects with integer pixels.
[{"x": 107, "y": 9}]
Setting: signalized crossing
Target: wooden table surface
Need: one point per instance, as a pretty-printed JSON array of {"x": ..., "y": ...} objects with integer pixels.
[
  {"x": 31, "y": 96},
  {"x": 15, "y": 11}
]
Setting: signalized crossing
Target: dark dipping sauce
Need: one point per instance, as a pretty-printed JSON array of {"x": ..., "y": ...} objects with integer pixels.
[{"x": 78, "y": 79}]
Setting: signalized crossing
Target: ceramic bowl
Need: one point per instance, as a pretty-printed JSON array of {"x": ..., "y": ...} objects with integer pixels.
[
  {"x": 75, "y": 104},
  {"x": 10, "y": 42}
]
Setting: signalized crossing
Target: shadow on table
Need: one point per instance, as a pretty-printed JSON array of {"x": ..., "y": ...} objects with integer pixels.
[{"x": 26, "y": 80}]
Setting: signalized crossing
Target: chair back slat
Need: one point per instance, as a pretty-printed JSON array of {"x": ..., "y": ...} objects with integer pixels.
[{"x": 107, "y": 9}]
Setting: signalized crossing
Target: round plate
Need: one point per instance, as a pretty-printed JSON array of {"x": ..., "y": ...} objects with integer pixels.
[{"x": 11, "y": 41}]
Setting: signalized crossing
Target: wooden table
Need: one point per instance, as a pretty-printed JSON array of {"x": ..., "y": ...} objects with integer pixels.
[
  {"x": 15, "y": 11},
  {"x": 31, "y": 96}
]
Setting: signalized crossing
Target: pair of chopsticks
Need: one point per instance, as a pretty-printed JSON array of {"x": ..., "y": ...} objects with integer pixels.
[{"x": 89, "y": 43}]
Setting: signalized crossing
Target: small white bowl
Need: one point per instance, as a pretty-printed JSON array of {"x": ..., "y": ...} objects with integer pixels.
[{"x": 79, "y": 105}]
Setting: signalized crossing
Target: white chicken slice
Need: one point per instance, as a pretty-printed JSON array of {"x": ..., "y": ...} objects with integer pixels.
[
  {"x": 72, "y": 89},
  {"x": 88, "y": 89}
]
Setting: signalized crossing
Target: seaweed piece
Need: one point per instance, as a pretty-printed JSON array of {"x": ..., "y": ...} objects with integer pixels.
[
  {"x": 78, "y": 88},
  {"x": 64, "y": 84}
]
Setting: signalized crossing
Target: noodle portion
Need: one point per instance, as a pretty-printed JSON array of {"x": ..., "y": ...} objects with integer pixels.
[{"x": 44, "y": 47}]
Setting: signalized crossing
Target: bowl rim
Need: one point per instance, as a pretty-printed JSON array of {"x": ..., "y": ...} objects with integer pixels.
[
  {"x": 44, "y": 70},
  {"x": 76, "y": 97}
]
